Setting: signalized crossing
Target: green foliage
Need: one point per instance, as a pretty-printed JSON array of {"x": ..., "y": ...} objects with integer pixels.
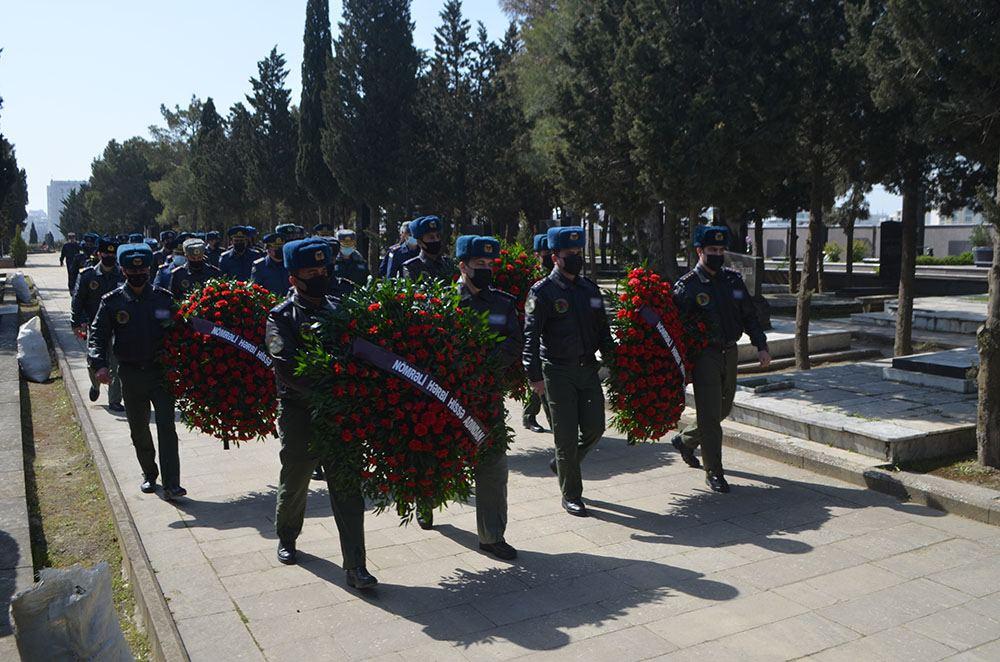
[
  {"x": 217, "y": 182},
  {"x": 832, "y": 250},
  {"x": 18, "y": 250},
  {"x": 947, "y": 260},
  {"x": 980, "y": 236},
  {"x": 32, "y": 235},
  {"x": 860, "y": 250},
  {"x": 74, "y": 216},
  {"x": 119, "y": 199}
]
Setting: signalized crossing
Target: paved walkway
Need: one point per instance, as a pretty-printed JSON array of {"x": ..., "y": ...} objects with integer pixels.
[{"x": 789, "y": 564}]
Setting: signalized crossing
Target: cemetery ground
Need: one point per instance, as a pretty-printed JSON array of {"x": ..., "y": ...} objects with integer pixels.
[{"x": 792, "y": 563}]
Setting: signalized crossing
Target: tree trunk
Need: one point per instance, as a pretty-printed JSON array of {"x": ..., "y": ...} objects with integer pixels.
[
  {"x": 692, "y": 257},
  {"x": 758, "y": 236},
  {"x": 849, "y": 257},
  {"x": 907, "y": 266},
  {"x": 364, "y": 221},
  {"x": 592, "y": 241},
  {"x": 988, "y": 340},
  {"x": 793, "y": 249},
  {"x": 807, "y": 284}
]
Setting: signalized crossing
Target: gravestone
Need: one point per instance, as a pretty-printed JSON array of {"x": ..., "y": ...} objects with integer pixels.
[
  {"x": 890, "y": 251},
  {"x": 950, "y": 370},
  {"x": 752, "y": 269}
]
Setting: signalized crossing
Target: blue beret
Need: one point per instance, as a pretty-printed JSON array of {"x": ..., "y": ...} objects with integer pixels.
[
  {"x": 566, "y": 237},
  {"x": 307, "y": 253},
  {"x": 711, "y": 235},
  {"x": 152, "y": 243},
  {"x": 136, "y": 238},
  {"x": 424, "y": 225},
  {"x": 213, "y": 234},
  {"x": 470, "y": 246},
  {"x": 108, "y": 244},
  {"x": 237, "y": 230},
  {"x": 541, "y": 242},
  {"x": 135, "y": 255}
]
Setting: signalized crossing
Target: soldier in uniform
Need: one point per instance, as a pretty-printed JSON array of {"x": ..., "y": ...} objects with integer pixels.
[
  {"x": 535, "y": 401},
  {"x": 67, "y": 256},
  {"x": 167, "y": 239},
  {"x": 475, "y": 257},
  {"x": 565, "y": 326},
  {"x": 430, "y": 262},
  {"x": 307, "y": 262},
  {"x": 720, "y": 297},
  {"x": 86, "y": 257},
  {"x": 175, "y": 259},
  {"x": 269, "y": 271},
  {"x": 322, "y": 230},
  {"x": 238, "y": 261},
  {"x": 131, "y": 323},
  {"x": 91, "y": 286},
  {"x": 213, "y": 247},
  {"x": 349, "y": 263},
  {"x": 135, "y": 238},
  {"x": 406, "y": 249},
  {"x": 195, "y": 272}
]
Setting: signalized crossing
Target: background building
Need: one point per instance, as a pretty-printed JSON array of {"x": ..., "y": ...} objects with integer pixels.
[{"x": 56, "y": 191}]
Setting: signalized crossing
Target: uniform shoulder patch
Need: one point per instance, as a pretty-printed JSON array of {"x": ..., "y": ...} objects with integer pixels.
[
  {"x": 529, "y": 305},
  {"x": 275, "y": 344}
]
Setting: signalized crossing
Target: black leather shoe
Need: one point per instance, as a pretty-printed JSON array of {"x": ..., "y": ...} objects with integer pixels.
[
  {"x": 687, "y": 454},
  {"x": 501, "y": 550},
  {"x": 116, "y": 407},
  {"x": 360, "y": 578},
  {"x": 425, "y": 518},
  {"x": 575, "y": 507},
  {"x": 554, "y": 467},
  {"x": 94, "y": 393},
  {"x": 318, "y": 474},
  {"x": 531, "y": 423},
  {"x": 717, "y": 483},
  {"x": 286, "y": 552},
  {"x": 148, "y": 485},
  {"x": 174, "y": 493}
]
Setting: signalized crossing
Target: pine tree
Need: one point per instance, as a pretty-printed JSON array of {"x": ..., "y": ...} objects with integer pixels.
[
  {"x": 311, "y": 171},
  {"x": 74, "y": 216},
  {"x": 32, "y": 235},
  {"x": 219, "y": 182},
  {"x": 119, "y": 199},
  {"x": 369, "y": 109},
  {"x": 271, "y": 164}
]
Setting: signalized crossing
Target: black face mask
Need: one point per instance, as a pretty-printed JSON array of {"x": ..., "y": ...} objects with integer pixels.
[
  {"x": 573, "y": 264},
  {"x": 196, "y": 265},
  {"x": 432, "y": 247},
  {"x": 137, "y": 280},
  {"x": 108, "y": 260},
  {"x": 547, "y": 262},
  {"x": 316, "y": 287},
  {"x": 715, "y": 262},
  {"x": 481, "y": 278},
  {"x": 239, "y": 246}
]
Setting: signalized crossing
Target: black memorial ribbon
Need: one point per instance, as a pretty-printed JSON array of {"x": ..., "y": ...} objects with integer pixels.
[
  {"x": 650, "y": 317},
  {"x": 392, "y": 363},
  {"x": 224, "y": 334}
]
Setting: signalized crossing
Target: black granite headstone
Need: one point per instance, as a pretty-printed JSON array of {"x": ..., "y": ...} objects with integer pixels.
[{"x": 890, "y": 251}]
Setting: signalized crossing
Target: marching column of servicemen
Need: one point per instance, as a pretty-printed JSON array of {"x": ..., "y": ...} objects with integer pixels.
[{"x": 126, "y": 289}]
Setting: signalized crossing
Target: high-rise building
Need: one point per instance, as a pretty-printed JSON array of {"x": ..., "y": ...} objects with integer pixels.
[{"x": 56, "y": 192}]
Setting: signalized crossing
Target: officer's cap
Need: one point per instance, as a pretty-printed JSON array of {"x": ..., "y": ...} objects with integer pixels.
[
  {"x": 251, "y": 230},
  {"x": 404, "y": 227},
  {"x": 135, "y": 238},
  {"x": 470, "y": 246},
  {"x": 711, "y": 235},
  {"x": 346, "y": 237},
  {"x": 167, "y": 235},
  {"x": 332, "y": 242},
  {"x": 134, "y": 255},
  {"x": 108, "y": 244},
  {"x": 286, "y": 230},
  {"x": 307, "y": 253},
  {"x": 194, "y": 247},
  {"x": 322, "y": 227},
  {"x": 541, "y": 242},
  {"x": 238, "y": 231},
  {"x": 91, "y": 237},
  {"x": 152, "y": 243},
  {"x": 213, "y": 234},
  {"x": 274, "y": 240},
  {"x": 424, "y": 225},
  {"x": 565, "y": 237}
]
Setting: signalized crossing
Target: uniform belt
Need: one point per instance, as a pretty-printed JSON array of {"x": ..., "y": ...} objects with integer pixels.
[{"x": 585, "y": 360}]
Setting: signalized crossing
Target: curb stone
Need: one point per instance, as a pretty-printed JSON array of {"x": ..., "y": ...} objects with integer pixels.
[{"x": 164, "y": 638}]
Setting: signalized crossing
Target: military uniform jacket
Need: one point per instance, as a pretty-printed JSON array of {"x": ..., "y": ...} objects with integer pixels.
[
  {"x": 283, "y": 337},
  {"x": 212, "y": 255},
  {"x": 131, "y": 325},
  {"x": 271, "y": 275},
  {"x": 69, "y": 251},
  {"x": 723, "y": 302},
  {"x": 235, "y": 265},
  {"x": 441, "y": 269},
  {"x": 160, "y": 256},
  {"x": 162, "y": 278},
  {"x": 565, "y": 323},
  {"x": 392, "y": 263},
  {"x": 184, "y": 280},
  {"x": 501, "y": 310},
  {"x": 91, "y": 286},
  {"x": 85, "y": 258},
  {"x": 353, "y": 268}
]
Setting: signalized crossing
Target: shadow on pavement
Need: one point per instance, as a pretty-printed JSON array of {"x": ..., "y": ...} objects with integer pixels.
[{"x": 602, "y": 463}]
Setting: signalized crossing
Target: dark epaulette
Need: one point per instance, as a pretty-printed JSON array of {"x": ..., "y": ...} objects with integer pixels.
[
  {"x": 280, "y": 308},
  {"x": 162, "y": 290},
  {"x": 258, "y": 261},
  {"x": 113, "y": 292},
  {"x": 174, "y": 269}
]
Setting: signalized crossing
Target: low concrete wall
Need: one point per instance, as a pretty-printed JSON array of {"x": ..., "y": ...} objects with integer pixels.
[{"x": 943, "y": 239}]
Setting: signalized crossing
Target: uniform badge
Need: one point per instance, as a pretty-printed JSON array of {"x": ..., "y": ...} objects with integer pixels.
[
  {"x": 185, "y": 284},
  {"x": 122, "y": 317},
  {"x": 719, "y": 236},
  {"x": 561, "y": 306},
  {"x": 137, "y": 261},
  {"x": 94, "y": 285},
  {"x": 161, "y": 314},
  {"x": 573, "y": 236},
  {"x": 498, "y": 320},
  {"x": 320, "y": 256},
  {"x": 488, "y": 248},
  {"x": 596, "y": 303},
  {"x": 702, "y": 298},
  {"x": 275, "y": 344},
  {"x": 529, "y": 305}
]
